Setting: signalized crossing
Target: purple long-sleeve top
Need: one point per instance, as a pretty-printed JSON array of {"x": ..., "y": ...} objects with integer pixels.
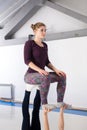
[{"x": 36, "y": 54}]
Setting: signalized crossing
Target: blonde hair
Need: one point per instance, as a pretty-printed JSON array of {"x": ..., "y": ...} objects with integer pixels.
[{"x": 37, "y": 25}]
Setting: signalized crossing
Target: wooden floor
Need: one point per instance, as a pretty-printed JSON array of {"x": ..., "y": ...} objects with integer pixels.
[{"x": 11, "y": 118}]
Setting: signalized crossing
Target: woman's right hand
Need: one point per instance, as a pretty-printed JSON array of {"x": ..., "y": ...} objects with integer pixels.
[{"x": 43, "y": 72}]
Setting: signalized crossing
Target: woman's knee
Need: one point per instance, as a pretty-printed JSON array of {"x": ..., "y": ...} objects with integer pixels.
[{"x": 63, "y": 78}]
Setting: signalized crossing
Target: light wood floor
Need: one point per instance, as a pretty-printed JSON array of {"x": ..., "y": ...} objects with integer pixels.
[{"x": 11, "y": 119}]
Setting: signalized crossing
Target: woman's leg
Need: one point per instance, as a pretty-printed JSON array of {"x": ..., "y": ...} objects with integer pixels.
[
  {"x": 44, "y": 82},
  {"x": 25, "y": 111},
  {"x": 61, "y": 85},
  {"x": 35, "y": 123}
]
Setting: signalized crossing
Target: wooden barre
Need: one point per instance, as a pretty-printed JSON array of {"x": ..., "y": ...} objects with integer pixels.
[{"x": 79, "y": 108}]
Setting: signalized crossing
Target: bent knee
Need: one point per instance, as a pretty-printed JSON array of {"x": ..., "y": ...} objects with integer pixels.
[{"x": 63, "y": 77}]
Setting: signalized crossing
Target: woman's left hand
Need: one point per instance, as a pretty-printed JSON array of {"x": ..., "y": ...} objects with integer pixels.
[{"x": 60, "y": 73}]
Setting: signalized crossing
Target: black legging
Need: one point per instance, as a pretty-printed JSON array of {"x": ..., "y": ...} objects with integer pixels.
[{"x": 35, "y": 122}]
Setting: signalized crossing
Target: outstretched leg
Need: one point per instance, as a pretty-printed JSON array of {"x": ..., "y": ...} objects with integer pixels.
[
  {"x": 25, "y": 111},
  {"x": 35, "y": 123}
]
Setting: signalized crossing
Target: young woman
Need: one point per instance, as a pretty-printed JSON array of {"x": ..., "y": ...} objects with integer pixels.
[{"x": 36, "y": 58}]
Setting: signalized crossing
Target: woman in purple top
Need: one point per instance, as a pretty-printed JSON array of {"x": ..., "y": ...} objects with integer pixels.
[{"x": 36, "y": 58}]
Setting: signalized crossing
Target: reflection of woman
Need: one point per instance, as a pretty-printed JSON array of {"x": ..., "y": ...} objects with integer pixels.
[
  {"x": 36, "y": 57},
  {"x": 60, "y": 121}
]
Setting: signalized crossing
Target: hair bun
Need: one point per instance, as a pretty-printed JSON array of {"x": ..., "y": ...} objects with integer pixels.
[
  {"x": 32, "y": 26},
  {"x": 37, "y": 25}
]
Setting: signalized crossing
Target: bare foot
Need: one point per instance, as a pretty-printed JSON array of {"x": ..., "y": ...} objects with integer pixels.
[
  {"x": 66, "y": 106},
  {"x": 48, "y": 107},
  {"x": 46, "y": 110}
]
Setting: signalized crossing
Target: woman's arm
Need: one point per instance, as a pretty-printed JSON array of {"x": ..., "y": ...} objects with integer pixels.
[
  {"x": 50, "y": 66},
  {"x": 28, "y": 58},
  {"x": 45, "y": 120},
  {"x": 58, "y": 72},
  {"x": 38, "y": 69},
  {"x": 61, "y": 119}
]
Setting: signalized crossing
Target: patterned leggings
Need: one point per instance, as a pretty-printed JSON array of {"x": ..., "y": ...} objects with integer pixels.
[{"x": 44, "y": 83}]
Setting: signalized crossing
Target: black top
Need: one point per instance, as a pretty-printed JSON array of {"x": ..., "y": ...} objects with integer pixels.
[{"x": 38, "y": 55}]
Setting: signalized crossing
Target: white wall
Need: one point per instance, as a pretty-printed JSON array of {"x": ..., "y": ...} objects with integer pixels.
[
  {"x": 69, "y": 55},
  {"x": 12, "y": 67}
]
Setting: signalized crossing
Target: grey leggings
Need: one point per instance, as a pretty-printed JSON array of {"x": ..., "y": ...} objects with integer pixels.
[{"x": 44, "y": 84}]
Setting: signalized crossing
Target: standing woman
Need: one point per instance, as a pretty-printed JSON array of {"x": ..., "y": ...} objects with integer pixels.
[{"x": 36, "y": 58}]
